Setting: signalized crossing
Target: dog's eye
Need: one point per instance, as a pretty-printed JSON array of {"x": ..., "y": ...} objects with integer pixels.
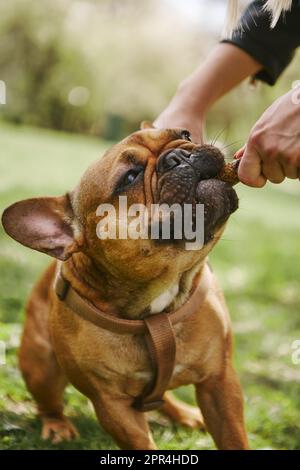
[
  {"x": 130, "y": 177},
  {"x": 186, "y": 135}
]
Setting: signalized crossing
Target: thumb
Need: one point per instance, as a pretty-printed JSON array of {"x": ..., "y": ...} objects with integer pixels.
[
  {"x": 249, "y": 171},
  {"x": 239, "y": 153}
]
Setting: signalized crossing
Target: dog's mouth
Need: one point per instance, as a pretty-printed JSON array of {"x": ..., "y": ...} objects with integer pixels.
[{"x": 186, "y": 179}]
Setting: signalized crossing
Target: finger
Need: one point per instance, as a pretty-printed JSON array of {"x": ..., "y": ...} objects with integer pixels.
[
  {"x": 250, "y": 171},
  {"x": 273, "y": 171},
  {"x": 290, "y": 171},
  {"x": 239, "y": 153}
]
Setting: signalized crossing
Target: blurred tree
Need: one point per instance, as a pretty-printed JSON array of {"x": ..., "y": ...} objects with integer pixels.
[
  {"x": 121, "y": 59},
  {"x": 123, "y": 52}
]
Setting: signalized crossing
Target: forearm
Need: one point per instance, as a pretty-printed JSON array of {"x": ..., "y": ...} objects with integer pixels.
[{"x": 224, "y": 68}]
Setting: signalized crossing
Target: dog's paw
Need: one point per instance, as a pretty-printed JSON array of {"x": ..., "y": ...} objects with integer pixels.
[
  {"x": 191, "y": 417},
  {"x": 58, "y": 430},
  {"x": 182, "y": 413}
]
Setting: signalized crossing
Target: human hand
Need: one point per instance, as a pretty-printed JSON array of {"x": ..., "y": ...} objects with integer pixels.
[
  {"x": 177, "y": 114},
  {"x": 272, "y": 151},
  {"x": 172, "y": 117}
]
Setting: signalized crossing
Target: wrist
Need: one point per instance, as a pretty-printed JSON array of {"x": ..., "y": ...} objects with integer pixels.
[{"x": 190, "y": 99}]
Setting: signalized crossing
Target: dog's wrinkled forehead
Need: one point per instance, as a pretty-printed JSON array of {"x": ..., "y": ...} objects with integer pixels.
[
  {"x": 141, "y": 147},
  {"x": 157, "y": 140}
]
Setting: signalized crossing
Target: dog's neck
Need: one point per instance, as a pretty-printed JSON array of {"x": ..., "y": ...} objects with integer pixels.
[{"x": 126, "y": 298}]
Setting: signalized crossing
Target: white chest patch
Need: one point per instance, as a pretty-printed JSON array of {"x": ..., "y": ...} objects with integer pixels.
[
  {"x": 144, "y": 375},
  {"x": 162, "y": 301}
]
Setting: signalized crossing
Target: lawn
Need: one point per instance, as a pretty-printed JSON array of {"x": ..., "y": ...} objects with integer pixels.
[{"x": 258, "y": 264}]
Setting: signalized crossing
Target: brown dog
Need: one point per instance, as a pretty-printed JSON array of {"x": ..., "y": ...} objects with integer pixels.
[{"x": 130, "y": 279}]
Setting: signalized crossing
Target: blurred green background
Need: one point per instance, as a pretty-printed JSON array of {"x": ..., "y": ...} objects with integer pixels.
[{"x": 98, "y": 68}]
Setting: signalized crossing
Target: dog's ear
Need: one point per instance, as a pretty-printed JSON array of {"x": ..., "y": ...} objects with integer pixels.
[
  {"x": 146, "y": 125},
  {"x": 43, "y": 224}
]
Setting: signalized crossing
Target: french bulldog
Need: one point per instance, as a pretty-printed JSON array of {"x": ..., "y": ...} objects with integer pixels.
[{"x": 130, "y": 279}]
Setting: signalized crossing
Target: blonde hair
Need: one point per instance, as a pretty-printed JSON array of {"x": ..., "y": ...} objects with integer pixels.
[{"x": 275, "y": 7}]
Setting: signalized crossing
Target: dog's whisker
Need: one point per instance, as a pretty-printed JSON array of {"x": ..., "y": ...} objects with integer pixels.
[
  {"x": 230, "y": 145},
  {"x": 218, "y": 135}
]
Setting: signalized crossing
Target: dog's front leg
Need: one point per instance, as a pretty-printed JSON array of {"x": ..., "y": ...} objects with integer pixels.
[
  {"x": 221, "y": 402},
  {"x": 128, "y": 427}
]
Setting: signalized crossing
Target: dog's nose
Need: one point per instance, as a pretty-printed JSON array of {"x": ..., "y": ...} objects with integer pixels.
[
  {"x": 170, "y": 159},
  {"x": 207, "y": 161}
]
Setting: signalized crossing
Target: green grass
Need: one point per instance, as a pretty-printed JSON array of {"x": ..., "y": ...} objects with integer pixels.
[{"x": 257, "y": 262}]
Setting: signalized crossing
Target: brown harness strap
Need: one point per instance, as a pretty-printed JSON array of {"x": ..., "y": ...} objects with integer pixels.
[
  {"x": 158, "y": 330},
  {"x": 161, "y": 344}
]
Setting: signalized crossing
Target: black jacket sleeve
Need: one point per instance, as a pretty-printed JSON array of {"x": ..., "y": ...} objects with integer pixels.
[{"x": 273, "y": 48}]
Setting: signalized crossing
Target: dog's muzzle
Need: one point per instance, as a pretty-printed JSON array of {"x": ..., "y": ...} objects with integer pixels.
[
  {"x": 205, "y": 161},
  {"x": 199, "y": 176}
]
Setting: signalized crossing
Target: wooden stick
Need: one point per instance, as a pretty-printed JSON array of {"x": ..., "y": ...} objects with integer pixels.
[{"x": 229, "y": 173}]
